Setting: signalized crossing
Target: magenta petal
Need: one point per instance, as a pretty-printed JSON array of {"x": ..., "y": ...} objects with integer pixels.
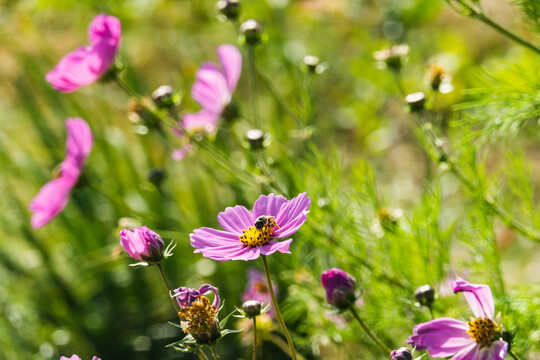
[
  {"x": 207, "y": 238},
  {"x": 96, "y": 358},
  {"x": 75, "y": 70},
  {"x": 235, "y": 219},
  {"x": 498, "y": 350},
  {"x": 292, "y": 215},
  {"x": 50, "y": 201},
  {"x": 231, "y": 61},
  {"x": 441, "y": 337},
  {"x": 79, "y": 139},
  {"x": 73, "y": 357},
  {"x": 273, "y": 246},
  {"x": 222, "y": 253},
  {"x": 468, "y": 353},
  {"x": 104, "y": 27},
  {"x": 268, "y": 205},
  {"x": 210, "y": 89},
  {"x": 247, "y": 253},
  {"x": 203, "y": 120},
  {"x": 479, "y": 297}
]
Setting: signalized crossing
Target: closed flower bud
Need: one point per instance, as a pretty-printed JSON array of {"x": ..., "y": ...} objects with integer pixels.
[
  {"x": 252, "y": 32},
  {"x": 255, "y": 137},
  {"x": 143, "y": 244},
  {"x": 229, "y": 8},
  {"x": 425, "y": 295},
  {"x": 311, "y": 62},
  {"x": 416, "y": 101},
  {"x": 403, "y": 353},
  {"x": 156, "y": 176},
  {"x": 340, "y": 288},
  {"x": 252, "y": 308},
  {"x": 393, "y": 57},
  {"x": 163, "y": 96}
]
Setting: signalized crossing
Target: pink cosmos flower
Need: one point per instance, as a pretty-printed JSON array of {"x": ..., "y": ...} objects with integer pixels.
[
  {"x": 75, "y": 357},
  {"x": 257, "y": 289},
  {"x": 143, "y": 244},
  {"x": 54, "y": 195},
  {"x": 247, "y": 235},
  {"x": 340, "y": 288},
  {"x": 478, "y": 339},
  {"x": 87, "y": 64}
]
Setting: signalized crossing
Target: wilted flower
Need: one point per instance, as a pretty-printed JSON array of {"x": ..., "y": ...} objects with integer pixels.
[
  {"x": 393, "y": 57},
  {"x": 403, "y": 353},
  {"x": 257, "y": 289},
  {"x": 87, "y": 64},
  {"x": 75, "y": 357},
  {"x": 477, "y": 339},
  {"x": 143, "y": 244},
  {"x": 247, "y": 235},
  {"x": 340, "y": 288},
  {"x": 54, "y": 195}
]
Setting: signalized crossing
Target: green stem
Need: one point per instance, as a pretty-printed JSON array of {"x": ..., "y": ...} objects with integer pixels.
[
  {"x": 201, "y": 354},
  {"x": 169, "y": 292},
  {"x": 478, "y": 14},
  {"x": 385, "y": 349},
  {"x": 431, "y": 312},
  {"x": 255, "y": 338},
  {"x": 276, "y": 307},
  {"x": 214, "y": 352},
  {"x": 513, "y": 355},
  {"x": 253, "y": 85},
  {"x": 399, "y": 83}
]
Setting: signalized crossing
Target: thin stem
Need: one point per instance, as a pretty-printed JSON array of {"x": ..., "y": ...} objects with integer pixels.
[
  {"x": 255, "y": 338},
  {"x": 201, "y": 354},
  {"x": 253, "y": 85},
  {"x": 399, "y": 83},
  {"x": 174, "y": 304},
  {"x": 513, "y": 355},
  {"x": 478, "y": 14},
  {"x": 214, "y": 352},
  {"x": 278, "y": 341},
  {"x": 276, "y": 307},
  {"x": 385, "y": 349},
  {"x": 431, "y": 312}
]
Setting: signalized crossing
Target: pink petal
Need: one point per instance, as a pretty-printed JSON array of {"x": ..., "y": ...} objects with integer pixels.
[
  {"x": 498, "y": 350},
  {"x": 235, "y": 219},
  {"x": 247, "y": 253},
  {"x": 208, "y": 238},
  {"x": 73, "y": 357},
  {"x": 75, "y": 70},
  {"x": 231, "y": 61},
  {"x": 79, "y": 140},
  {"x": 441, "y": 337},
  {"x": 203, "y": 120},
  {"x": 292, "y": 215},
  {"x": 210, "y": 89},
  {"x": 268, "y": 205},
  {"x": 468, "y": 353},
  {"x": 479, "y": 297},
  {"x": 273, "y": 246},
  {"x": 180, "y": 153},
  {"x": 51, "y": 200},
  {"x": 223, "y": 253},
  {"x": 104, "y": 27}
]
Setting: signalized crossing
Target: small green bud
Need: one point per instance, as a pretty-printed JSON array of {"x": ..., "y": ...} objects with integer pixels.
[
  {"x": 164, "y": 96},
  {"x": 425, "y": 295},
  {"x": 156, "y": 176},
  {"x": 252, "y": 308},
  {"x": 255, "y": 137},
  {"x": 416, "y": 101},
  {"x": 252, "y": 32},
  {"x": 229, "y": 8},
  {"x": 403, "y": 353},
  {"x": 311, "y": 62}
]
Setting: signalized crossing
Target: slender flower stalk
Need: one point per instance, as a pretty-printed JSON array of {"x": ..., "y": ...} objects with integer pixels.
[
  {"x": 276, "y": 307},
  {"x": 385, "y": 349},
  {"x": 254, "y": 338},
  {"x": 169, "y": 291},
  {"x": 253, "y": 85},
  {"x": 201, "y": 354},
  {"x": 214, "y": 352}
]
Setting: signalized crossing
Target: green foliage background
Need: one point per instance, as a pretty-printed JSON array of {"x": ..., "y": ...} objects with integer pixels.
[{"x": 349, "y": 142}]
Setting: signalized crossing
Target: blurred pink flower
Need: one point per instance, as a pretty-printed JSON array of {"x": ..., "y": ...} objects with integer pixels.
[
  {"x": 340, "y": 288},
  {"x": 54, "y": 195},
  {"x": 75, "y": 357},
  {"x": 87, "y": 64},
  {"x": 257, "y": 289},
  {"x": 477, "y": 339},
  {"x": 245, "y": 237},
  {"x": 143, "y": 244}
]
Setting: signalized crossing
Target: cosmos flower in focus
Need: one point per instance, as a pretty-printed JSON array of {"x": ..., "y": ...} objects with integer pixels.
[
  {"x": 54, "y": 195},
  {"x": 87, "y": 64},
  {"x": 249, "y": 234},
  {"x": 477, "y": 339}
]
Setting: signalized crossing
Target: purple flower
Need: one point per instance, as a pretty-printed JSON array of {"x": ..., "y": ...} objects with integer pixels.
[
  {"x": 54, "y": 195},
  {"x": 213, "y": 89},
  {"x": 87, "y": 64},
  {"x": 186, "y": 296},
  {"x": 247, "y": 235},
  {"x": 340, "y": 288},
  {"x": 257, "y": 289},
  {"x": 75, "y": 357},
  {"x": 142, "y": 244},
  {"x": 477, "y": 339}
]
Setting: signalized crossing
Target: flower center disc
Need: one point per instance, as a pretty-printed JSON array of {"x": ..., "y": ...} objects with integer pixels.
[
  {"x": 482, "y": 331},
  {"x": 200, "y": 315},
  {"x": 256, "y": 237}
]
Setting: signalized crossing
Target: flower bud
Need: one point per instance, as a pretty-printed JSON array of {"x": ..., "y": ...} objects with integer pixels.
[
  {"x": 156, "y": 176},
  {"x": 229, "y": 8},
  {"x": 255, "y": 137},
  {"x": 163, "y": 96},
  {"x": 403, "y": 353},
  {"x": 393, "y": 57},
  {"x": 311, "y": 62},
  {"x": 252, "y": 308},
  {"x": 143, "y": 244},
  {"x": 425, "y": 295},
  {"x": 437, "y": 75},
  {"x": 252, "y": 32},
  {"x": 340, "y": 288},
  {"x": 416, "y": 101}
]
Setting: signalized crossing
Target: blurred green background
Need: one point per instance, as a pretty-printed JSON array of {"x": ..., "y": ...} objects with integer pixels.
[{"x": 67, "y": 288}]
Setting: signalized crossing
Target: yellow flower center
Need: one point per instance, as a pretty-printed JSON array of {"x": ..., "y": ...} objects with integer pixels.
[
  {"x": 257, "y": 237},
  {"x": 483, "y": 331},
  {"x": 200, "y": 316}
]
